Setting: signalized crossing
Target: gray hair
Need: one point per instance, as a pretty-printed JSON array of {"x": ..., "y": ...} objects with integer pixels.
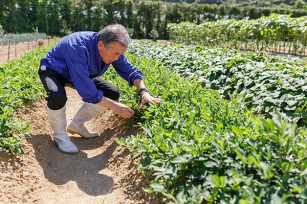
[{"x": 113, "y": 33}]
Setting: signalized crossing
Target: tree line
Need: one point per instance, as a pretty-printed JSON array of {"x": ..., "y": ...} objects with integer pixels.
[{"x": 144, "y": 19}]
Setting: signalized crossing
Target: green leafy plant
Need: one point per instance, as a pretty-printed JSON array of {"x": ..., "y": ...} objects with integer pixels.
[
  {"x": 201, "y": 148},
  {"x": 262, "y": 82},
  {"x": 20, "y": 85},
  {"x": 278, "y": 33}
]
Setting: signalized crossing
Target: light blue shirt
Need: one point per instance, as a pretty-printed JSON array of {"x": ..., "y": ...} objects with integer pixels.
[{"x": 77, "y": 59}]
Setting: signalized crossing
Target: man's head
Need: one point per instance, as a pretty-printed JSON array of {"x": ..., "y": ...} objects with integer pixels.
[{"x": 113, "y": 41}]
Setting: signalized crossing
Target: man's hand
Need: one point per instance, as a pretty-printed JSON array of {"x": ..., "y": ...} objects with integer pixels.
[
  {"x": 147, "y": 98},
  {"x": 123, "y": 110}
]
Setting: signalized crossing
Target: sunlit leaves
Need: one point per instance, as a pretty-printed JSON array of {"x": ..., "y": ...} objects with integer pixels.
[
  {"x": 264, "y": 83},
  {"x": 254, "y": 34},
  {"x": 200, "y": 148},
  {"x": 19, "y": 85}
]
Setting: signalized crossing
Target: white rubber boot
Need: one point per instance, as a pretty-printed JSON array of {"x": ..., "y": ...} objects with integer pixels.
[
  {"x": 86, "y": 112},
  {"x": 57, "y": 119}
]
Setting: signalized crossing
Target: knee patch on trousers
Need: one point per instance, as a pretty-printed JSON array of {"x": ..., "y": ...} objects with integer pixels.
[{"x": 56, "y": 101}]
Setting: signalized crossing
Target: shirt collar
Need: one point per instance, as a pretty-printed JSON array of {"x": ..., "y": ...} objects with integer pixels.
[{"x": 98, "y": 58}]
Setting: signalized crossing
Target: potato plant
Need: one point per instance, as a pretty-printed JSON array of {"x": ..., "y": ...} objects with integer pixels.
[
  {"x": 197, "y": 146},
  {"x": 263, "y": 83},
  {"x": 200, "y": 148},
  {"x": 19, "y": 85}
]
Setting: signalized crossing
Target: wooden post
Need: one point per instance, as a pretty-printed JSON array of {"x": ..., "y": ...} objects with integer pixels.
[
  {"x": 15, "y": 50},
  {"x": 8, "y": 55},
  {"x": 289, "y": 51}
]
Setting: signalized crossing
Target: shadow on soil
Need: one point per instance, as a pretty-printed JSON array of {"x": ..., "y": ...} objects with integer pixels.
[{"x": 60, "y": 168}]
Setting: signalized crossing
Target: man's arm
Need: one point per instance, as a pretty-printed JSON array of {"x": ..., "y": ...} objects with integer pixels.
[
  {"x": 139, "y": 84},
  {"x": 127, "y": 71},
  {"x": 121, "y": 109}
]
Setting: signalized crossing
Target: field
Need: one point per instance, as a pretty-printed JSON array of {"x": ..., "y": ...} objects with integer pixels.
[
  {"x": 231, "y": 126},
  {"x": 216, "y": 137},
  {"x": 103, "y": 171}
]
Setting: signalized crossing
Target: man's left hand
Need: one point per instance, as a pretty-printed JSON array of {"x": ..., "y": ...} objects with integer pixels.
[{"x": 147, "y": 98}]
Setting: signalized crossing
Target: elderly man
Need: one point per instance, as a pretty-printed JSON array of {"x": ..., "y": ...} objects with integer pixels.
[{"x": 80, "y": 59}]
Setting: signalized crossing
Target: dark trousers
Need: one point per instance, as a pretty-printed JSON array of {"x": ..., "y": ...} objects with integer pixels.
[{"x": 54, "y": 84}]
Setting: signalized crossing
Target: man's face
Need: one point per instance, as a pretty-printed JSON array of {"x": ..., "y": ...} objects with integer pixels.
[{"x": 112, "y": 52}]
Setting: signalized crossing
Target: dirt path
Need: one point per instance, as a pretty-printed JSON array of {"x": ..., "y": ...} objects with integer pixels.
[{"x": 102, "y": 172}]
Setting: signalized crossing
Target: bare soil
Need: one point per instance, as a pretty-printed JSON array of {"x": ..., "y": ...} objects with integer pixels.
[{"x": 102, "y": 172}]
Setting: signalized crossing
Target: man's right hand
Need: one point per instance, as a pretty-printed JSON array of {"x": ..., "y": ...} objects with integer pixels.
[{"x": 121, "y": 109}]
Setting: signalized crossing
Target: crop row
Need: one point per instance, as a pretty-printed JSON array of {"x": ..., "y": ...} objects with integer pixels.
[
  {"x": 265, "y": 83},
  {"x": 200, "y": 148},
  {"x": 263, "y": 31},
  {"x": 19, "y": 86},
  {"x": 197, "y": 146}
]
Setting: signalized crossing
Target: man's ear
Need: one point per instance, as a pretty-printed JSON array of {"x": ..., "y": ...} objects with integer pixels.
[{"x": 100, "y": 44}]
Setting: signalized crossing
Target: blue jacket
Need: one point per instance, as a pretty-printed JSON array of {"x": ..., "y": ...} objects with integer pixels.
[{"x": 76, "y": 58}]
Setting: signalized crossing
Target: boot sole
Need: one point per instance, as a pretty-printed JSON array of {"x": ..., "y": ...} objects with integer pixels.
[
  {"x": 72, "y": 132},
  {"x": 76, "y": 133}
]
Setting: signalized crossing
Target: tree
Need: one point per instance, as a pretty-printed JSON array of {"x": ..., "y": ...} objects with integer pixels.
[{"x": 299, "y": 4}]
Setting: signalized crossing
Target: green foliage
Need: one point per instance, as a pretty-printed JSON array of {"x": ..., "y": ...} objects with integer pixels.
[
  {"x": 27, "y": 16},
  {"x": 143, "y": 18},
  {"x": 239, "y": 2},
  {"x": 1, "y": 30},
  {"x": 200, "y": 148},
  {"x": 265, "y": 31},
  {"x": 262, "y": 82},
  {"x": 19, "y": 86}
]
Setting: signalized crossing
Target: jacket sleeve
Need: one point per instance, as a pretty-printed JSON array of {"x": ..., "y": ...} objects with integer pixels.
[
  {"x": 76, "y": 59},
  {"x": 126, "y": 70}
]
